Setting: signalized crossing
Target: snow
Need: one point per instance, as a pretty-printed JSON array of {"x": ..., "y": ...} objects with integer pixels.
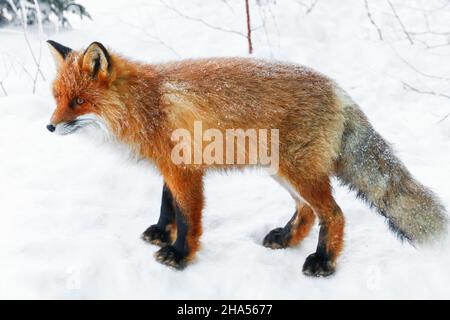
[{"x": 72, "y": 210}]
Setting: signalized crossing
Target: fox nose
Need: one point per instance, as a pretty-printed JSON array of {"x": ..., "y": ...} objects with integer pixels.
[{"x": 51, "y": 128}]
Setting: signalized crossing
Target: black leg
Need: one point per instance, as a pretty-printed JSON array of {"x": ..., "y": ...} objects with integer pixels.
[
  {"x": 160, "y": 233},
  {"x": 320, "y": 264},
  {"x": 293, "y": 232},
  {"x": 176, "y": 255},
  {"x": 279, "y": 238}
]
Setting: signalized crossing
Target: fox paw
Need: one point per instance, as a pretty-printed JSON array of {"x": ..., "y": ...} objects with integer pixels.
[
  {"x": 277, "y": 239},
  {"x": 156, "y": 235},
  {"x": 170, "y": 256},
  {"x": 318, "y": 266}
]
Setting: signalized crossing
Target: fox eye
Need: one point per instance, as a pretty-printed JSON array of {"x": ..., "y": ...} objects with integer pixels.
[{"x": 79, "y": 101}]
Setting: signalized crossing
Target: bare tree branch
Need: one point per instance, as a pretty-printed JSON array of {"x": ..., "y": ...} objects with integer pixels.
[
  {"x": 25, "y": 33},
  {"x": 264, "y": 11},
  {"x": 41, "y": 33},
  {"x": 372, "y": 21},
  {"x": 408, "y": 36},
  {"x": 443, "y": 119},
  {"x": 22, "y": 66},
  {"x": 414, "y": 68},
  {"x": 433, "y": 93},
  {"x": 199, "y": 20},
  {"x": 225, "y": 2},
  {"x": 155, "y": 38},
  {"x": 249, "y": 28},
  {"x": 440, "y": 38},
  {"x": 311, "y": 7},
  {"x": 435, "y": 33},
  {"x": 3, "y": 88},
  {"x": 308, "y": 7},
  {"x": 247, "y": 35},
  {"x": 445, "y": 4}
]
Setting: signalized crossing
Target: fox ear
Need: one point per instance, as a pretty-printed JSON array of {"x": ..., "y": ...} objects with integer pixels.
[
  {"x": 59, "y": 52},
  {"x": 97, "y": 61}
]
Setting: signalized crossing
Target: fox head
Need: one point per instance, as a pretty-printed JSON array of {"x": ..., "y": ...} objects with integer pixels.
[{"x": 81, "y": 87}]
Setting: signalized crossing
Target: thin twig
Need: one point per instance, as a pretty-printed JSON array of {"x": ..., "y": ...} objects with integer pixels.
[
  {"x": 372, "y": 21},
  {"x": 3, "y": 88},
  {"x": 262, "y": 11},
  {"x": 435, "y": 33},
  {"x": 415, "y": 69},
  {"x": 433, "y": 93},
  {"x": 274, "y": 19},
  {"x": 155, "y": 38},
  {"x": 435, "y": 46},
  {"x": 311, "y": 7},
  {"x": 225, "y": 2},
  {"x": 443, "y": 119},
  {"x": 25, "y": 33},
  {"x": 20, "y": 63},
  {"x": 41, "y": 33},
  {"x": 249, "y": 28},
  {"x": 165, "y": 45},
  {"x": 199, "y": 20},
  {"x": 308, "y": 7},
  {"x": 400, "y": 22},
  {"x": 440, "y": 8}
]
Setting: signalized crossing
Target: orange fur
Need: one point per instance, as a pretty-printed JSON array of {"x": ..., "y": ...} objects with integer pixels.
[
  {"x": 302, "y": 224},
  {"x": 187, "y": 189},
  {"x": 142, "y": 104}
]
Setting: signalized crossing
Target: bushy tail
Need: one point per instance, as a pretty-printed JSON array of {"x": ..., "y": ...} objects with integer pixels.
[{"x": 368, "y": 165}]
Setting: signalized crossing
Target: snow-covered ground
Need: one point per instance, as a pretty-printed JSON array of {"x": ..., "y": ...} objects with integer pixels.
[{"x": 72, "y": 211}]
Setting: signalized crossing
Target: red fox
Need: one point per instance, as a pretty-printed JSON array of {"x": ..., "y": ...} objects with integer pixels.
[{"x": 322, "y": 133}]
